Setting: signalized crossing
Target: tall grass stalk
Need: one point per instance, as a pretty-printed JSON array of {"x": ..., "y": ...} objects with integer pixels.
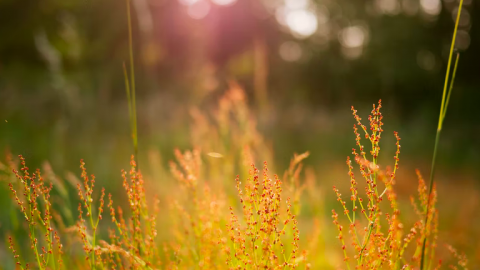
[
  {"x": 132, "y": 109},
  {"x": 130, "y": 86},
  {"x": 443, "y": 111}
]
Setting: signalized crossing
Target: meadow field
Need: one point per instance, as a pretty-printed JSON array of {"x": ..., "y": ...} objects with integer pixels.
[{"x": 240, "y": 157}]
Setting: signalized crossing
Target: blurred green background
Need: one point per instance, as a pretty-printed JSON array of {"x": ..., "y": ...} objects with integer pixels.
[{"x": 302, "y": 63}]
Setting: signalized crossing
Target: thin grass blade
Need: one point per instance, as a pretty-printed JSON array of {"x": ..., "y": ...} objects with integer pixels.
[{"x": 443, "y": 109}]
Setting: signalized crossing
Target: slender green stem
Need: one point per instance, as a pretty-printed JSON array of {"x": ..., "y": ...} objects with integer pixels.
[
  {"x": 132, "y": 109},
  {"x": 447, "y": 75},
  {"x": 451, "y": 84},
  {"x": 32, "y": 237},
  {"x": 94, "y": 232},
  {"x": 443, "y": 110},
  {"x": 32, "y": 230},
  {"x": 132, "y": 98},
  {"x": 366, "y": 242},
  {"x": 127, "y": 89}
]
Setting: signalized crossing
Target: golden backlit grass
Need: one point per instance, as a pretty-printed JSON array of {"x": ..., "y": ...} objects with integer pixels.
[{"x": 221, "y": 206}]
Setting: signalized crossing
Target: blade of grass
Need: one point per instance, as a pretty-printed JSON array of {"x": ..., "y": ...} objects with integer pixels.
[
  {"x": 451, "y": 84},
  {"x": 127, "y": 88},
  {"x": 443, "y": 110},
  {"x": 131, "y": 96},
  {"x": 130, "y": 86}
]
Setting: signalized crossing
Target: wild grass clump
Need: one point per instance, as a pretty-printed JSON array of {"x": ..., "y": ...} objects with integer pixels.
[
  {"x": 132, "y": 241},
  {"x": 201, "y": 224},
  {"x": 34, "y": 204},
  {"x": 205, "y": 237},
  {"x": 197, "y": 215},
  {"x": 376, "y": 238},
  {"x": 267, "y": 238}
]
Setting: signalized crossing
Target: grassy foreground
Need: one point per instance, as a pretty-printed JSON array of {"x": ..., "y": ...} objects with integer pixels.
[{"x": 222, "y": 207}]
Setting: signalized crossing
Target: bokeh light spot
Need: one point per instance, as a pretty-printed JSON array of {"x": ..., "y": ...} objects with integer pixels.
[
  {"x": 352, "y": 37},
  {"x": 410, "y": 7},
  {"x": 464, "y": 17},
  {"x": 431, "y": 7},
  {"x": 462, "y": 42},
  {"x": 390, "y": 7},
  {"x": 302, "y": 23}
]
